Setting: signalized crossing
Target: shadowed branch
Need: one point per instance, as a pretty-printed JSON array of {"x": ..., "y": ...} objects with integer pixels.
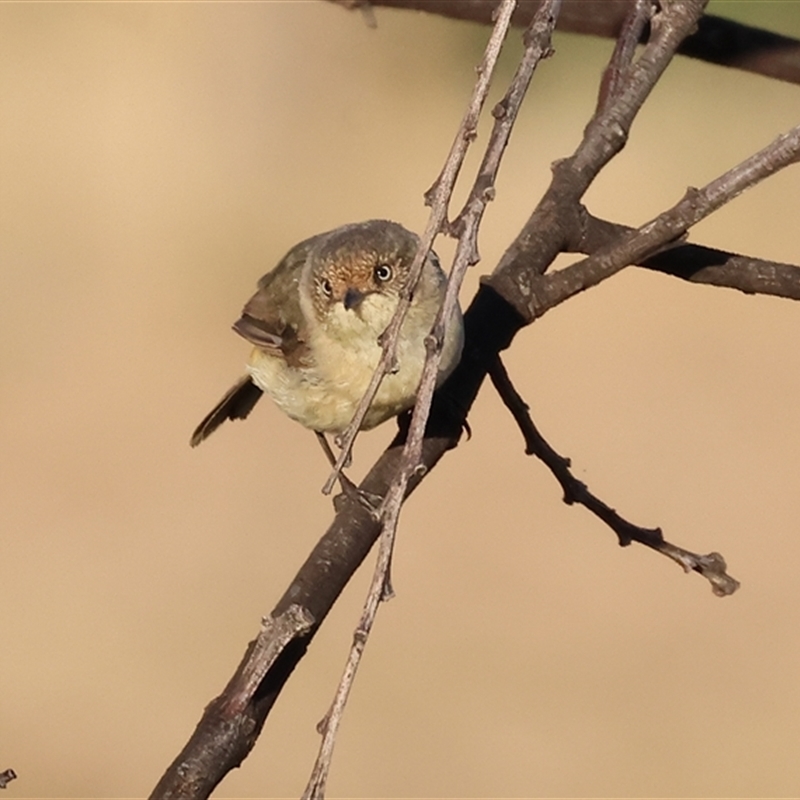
[{"x": 716, "y": 40}]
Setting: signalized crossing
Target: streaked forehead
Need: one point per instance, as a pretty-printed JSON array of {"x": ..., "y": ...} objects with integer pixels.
[{"x": 357, "y": 249}]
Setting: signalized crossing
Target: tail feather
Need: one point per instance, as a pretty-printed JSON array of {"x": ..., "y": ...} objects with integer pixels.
[{"x": 237, "y": 403}]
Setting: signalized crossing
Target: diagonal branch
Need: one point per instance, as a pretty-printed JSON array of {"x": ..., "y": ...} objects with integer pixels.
[
  {"x": 224, "y": 736},
  {"x": 711, "y": 566},
  {"x": 694, "y": 262}
]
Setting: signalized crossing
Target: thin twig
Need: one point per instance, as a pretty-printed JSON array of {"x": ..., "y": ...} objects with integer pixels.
[
  {"x": 438, "y": 198},
  {"x": 329, "y": 725},
  {"x": 537, "y": 47},
  {"x": 616, "y": 72},
  {"x": 711, "y": 566}
]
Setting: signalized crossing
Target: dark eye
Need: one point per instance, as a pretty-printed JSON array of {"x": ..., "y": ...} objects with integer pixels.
[
  {"x": 383, "y": 273},
  {"x": 326, "y": 287}
]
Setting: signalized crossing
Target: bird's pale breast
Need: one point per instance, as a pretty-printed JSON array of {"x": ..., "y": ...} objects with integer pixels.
[{"x": 325, "y": 395}]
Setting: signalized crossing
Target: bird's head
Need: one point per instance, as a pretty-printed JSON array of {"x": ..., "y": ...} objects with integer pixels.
[{"x": 355, "y": 275}]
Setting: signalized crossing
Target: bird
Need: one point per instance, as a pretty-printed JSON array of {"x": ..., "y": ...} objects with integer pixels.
[{"x": 315, "y": 324}]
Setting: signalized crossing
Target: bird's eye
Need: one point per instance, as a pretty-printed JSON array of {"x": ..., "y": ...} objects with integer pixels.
[
  {"x": 383, "y": 273},
  {"x": 326, "y": 287}
]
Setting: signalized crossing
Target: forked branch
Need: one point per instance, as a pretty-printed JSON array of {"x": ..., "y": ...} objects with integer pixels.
[{"x": 534, "y": 294}]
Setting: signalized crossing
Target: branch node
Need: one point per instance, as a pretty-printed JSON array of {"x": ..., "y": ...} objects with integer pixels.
[
  {"x": 387, "y": 592},
  {"x": 500, "y": 110}
]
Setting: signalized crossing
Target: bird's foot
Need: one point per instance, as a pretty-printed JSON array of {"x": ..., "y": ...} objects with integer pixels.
[{"x": 367, "y": 500}]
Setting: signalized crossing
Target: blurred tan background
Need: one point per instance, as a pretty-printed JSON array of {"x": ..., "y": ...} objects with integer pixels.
[{"x": 155, "y": 160}]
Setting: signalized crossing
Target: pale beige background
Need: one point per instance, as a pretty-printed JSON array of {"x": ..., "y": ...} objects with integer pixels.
[{"x": 155, "y": 159}]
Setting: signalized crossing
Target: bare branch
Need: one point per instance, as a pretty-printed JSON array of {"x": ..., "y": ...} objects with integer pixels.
[
  {"x": 711, "y": 566},
  {"x": 717, "y": 40},
  {"x": 719, "y": 268},
  {"x": 630, "y": 34},
  {"x": 696, "y": 263},
  {"x": 545, "y": 234},
  {"x": 230, "y": 723},
  {"x": 221, "y": 742},
  {"x": 535, "y": 294}
]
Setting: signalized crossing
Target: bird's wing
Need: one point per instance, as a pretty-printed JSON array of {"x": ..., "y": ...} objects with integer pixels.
[{"x": 272, "y": 319}]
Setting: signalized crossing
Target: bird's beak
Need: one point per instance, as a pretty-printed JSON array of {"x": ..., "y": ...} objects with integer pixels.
[{"x": 352, "y": 298}]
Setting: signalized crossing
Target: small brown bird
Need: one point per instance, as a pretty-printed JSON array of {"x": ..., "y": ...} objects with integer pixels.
[{"x": 315, "y": 322}]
